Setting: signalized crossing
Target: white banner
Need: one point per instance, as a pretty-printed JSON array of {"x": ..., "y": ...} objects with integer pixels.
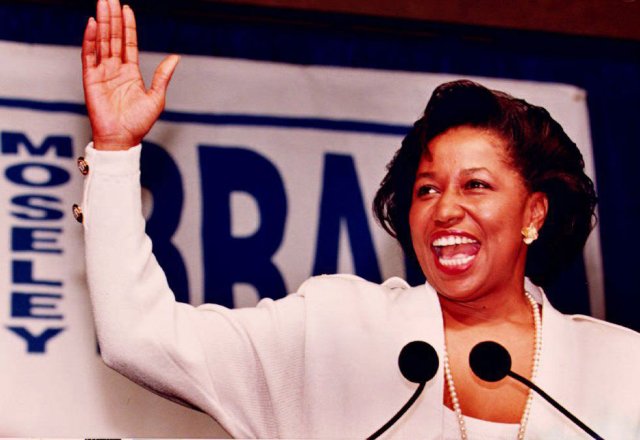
[{"x": 275, "y": 164}]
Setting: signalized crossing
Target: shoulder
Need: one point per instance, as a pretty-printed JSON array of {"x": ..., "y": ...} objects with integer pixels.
[
  {"x": 603, "y": 360},
  {"x": 354, "y": 312},
  {"x": 598, "y": 342},
  {"x": 598, "y": 330},
  {"x": 346, "y": 284},
  {"x": 351, "y": 292},
  {"x": 590, "y": 333}
]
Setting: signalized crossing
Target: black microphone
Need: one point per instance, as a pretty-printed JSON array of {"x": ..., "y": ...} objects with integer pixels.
[
  {"x": 418, "y": 362},
  {"x": 491, "y": 362}
]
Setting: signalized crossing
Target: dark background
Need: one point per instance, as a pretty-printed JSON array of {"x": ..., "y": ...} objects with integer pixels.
[{"x": 594, "y": 45}]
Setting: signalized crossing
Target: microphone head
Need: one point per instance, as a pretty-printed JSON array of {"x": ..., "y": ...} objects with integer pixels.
[
  {"x": 418, "y": 361},
  {"x": 490, "y": 361}
]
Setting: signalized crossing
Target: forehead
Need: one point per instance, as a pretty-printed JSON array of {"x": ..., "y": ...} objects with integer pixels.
[{"x": 467, "y": 147}]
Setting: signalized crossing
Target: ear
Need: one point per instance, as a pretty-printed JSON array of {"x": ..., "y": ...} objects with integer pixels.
[{"x": 538, "y": 206}]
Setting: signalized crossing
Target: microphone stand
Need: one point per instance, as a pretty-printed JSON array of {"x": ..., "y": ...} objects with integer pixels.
[
  {"x": 418, "y": 362},
  {"x": 399, "y": 414},
  {"x": 559, "y": 407}
]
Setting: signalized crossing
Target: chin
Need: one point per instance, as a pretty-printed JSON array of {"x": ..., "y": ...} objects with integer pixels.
[
  {"x": 458, "y": 287},
  {"x": 456, "y": 292}
]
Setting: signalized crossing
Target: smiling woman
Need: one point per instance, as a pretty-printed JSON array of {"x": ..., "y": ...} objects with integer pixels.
[
  {"x": 490, "y": 172},
  {"x": 468, "y": 210},
  {"x": 474, "y": 181},
  {"x": 534, "y": 147}
]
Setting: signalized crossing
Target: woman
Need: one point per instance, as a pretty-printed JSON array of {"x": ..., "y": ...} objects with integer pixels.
[{"x": 476, "y": 180}]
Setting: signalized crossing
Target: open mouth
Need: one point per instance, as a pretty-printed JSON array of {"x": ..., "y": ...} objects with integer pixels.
[{"x": 454, "y": 253}]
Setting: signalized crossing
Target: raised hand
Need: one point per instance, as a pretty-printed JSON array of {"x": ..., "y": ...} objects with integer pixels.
[{"x": 121, "y": 109}]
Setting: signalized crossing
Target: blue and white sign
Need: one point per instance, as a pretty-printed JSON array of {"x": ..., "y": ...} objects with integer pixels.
[{"x": 257, "y": 176}]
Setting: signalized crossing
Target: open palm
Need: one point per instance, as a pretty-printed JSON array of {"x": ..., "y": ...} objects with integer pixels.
[{"x": 121, "y": 109}]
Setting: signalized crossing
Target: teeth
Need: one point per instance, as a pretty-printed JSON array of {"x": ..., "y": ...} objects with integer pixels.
[
  {"x": 451, "y": 240},
  {"x": 458, "y": 261}
]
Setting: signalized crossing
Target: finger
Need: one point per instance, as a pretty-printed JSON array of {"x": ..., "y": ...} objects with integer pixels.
[
  {"x": 89, "y": 55},
  {"x": 130, "y": 35},
  {"x": 115, "y": 13},
  {"x": 103, "y": 30},
  {"x": 162, "y": 76}
]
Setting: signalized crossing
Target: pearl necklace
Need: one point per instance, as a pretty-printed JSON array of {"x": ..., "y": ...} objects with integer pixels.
[{"x": 537, "y": 322}]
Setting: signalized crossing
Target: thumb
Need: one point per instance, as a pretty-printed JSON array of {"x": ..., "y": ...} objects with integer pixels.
[{"x": 163, "y": 74}]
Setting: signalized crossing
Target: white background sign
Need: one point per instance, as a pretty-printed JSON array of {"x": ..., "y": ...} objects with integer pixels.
[{"x": 295, "y": 120}]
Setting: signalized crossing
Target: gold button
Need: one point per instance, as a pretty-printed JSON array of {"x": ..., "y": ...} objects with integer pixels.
[
  {"x": 77, "y": 213},
  {"x": 83, "y": 166}
]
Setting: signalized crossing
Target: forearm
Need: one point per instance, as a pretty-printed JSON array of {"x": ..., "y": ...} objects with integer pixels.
[
  {"x": 127, "y": 286},
  {"x": 142, "y": 331}
]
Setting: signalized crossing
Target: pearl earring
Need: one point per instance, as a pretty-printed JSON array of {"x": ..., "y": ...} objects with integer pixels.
[{"x": 530, "y": 234}]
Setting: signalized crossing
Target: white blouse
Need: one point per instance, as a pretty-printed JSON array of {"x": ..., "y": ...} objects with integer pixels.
[{"x": 477, "y": 429}]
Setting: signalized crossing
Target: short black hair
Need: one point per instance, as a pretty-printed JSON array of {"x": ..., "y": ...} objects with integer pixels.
[{"x": 539, "y": 149}]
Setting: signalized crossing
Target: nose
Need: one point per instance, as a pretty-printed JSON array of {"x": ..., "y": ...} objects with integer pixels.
[{"x": 448, "y": 210}]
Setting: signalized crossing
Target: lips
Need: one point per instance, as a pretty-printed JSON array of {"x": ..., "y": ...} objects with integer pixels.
[{"x": 454, "y": 251}]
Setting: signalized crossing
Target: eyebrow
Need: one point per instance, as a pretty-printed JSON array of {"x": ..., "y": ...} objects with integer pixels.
[
  {"x": 468, "y": 171},
  {"x": 465, "y": 172},
  {"x": 425, "y": 174}
]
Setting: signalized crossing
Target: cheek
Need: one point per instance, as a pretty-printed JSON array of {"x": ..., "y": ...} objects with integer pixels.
[
  {"x": 502, "y": 221},
  {"x": 417, "y": 221},
  {"x": 414, "y": 220}
]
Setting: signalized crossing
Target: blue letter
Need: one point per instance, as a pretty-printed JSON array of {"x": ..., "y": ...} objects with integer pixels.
[
  {"x": 55, "y": 175},
  {"x": 61, "y": 144},
  {"x": 229, "y": 259},
  {"x": 22, "y": 305},
  {"x": 25, "y": 240},
  {"x": 38, "y": 206},
  {"x": 342, "y": 202},
  {"x": 160, "y": 175},
  {"x": 23, "y": 274},
  {"x": 36, "y": 344}
]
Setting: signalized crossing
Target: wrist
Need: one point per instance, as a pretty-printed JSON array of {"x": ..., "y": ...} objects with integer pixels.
[{"x": 113, "y": 144}]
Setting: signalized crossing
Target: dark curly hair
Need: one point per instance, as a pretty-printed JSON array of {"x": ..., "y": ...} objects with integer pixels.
[{"x": 539, "y": 150}]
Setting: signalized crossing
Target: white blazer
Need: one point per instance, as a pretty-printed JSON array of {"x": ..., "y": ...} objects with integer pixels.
[{"x": 320, "y": 363}]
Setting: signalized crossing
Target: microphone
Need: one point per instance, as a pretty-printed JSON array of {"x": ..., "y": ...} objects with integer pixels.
[
  {"x": 491, "y": 362},
  {"x": 418, "y": 362}
]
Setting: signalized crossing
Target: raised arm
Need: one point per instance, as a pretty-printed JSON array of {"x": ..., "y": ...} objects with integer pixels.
[
  {"x": 236, "y": 365},
  {"x": 121, "y": 109}
]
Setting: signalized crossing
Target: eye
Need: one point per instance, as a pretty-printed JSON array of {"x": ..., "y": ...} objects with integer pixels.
[
  {"x": 425, "y": 190},
  {"x": 477, "y": 184}
]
